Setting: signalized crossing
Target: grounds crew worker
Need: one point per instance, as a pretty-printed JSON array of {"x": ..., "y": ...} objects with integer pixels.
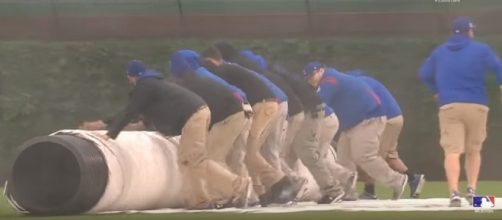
[
  {"x": 173, "y": 111},
  {"x": 455, "y": 73}
]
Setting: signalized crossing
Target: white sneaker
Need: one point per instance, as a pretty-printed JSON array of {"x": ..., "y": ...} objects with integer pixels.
[{"x": 399, "y": 189}]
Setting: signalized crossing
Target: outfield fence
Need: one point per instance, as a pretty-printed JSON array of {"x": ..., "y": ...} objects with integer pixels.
[{"x": 97, "y": 19}]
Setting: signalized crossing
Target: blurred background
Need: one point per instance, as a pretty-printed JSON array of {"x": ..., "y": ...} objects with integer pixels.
[{"x": 63, "y": 61}]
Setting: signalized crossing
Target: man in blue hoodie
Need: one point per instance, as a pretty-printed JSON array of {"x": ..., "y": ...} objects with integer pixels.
[
  {"x": 359, "y": 111},
  {"x": 455, "y": 73},
  {"x": 389, "y": 138}
]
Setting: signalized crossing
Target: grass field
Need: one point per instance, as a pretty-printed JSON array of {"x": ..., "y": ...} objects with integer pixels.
[{"x": 432, "y": 190}]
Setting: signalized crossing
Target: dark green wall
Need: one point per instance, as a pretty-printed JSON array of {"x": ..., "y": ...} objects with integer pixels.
[{"x": 46, "y": 86}]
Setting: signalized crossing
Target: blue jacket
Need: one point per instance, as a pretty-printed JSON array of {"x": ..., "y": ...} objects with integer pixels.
[
  {"x": 456, "y": 70},
  {"x": 352, "y": 100},
  {"x": 192, "y": 57},
  {"x": 390, "y": 106}
]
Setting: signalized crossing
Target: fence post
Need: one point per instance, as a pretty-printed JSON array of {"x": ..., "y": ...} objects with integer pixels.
[
  {"x": 55, "y": 31},
  {"x": 309, "y": 16},
  {"x": 181, "y": 17}
]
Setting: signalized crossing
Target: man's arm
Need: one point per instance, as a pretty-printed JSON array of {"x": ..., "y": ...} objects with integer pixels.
[
  {"x": 328, "y": 88},
  {"x": 139, "y": 99},
  {"x": 427, "y": 74},
  {"x": 495, "y": 65}
]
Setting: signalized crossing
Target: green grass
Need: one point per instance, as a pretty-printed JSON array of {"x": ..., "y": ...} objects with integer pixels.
[{"x": 432, "y": 190}]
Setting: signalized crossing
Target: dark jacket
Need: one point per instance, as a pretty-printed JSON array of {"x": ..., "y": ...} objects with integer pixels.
[
  {"x": 247, "y": 80},
  {"x": 295, "y": 106},
  {"x": 167, "y": 105},
  {"x": 220, "y": 100},
  {"x": 306, "y": 93}
]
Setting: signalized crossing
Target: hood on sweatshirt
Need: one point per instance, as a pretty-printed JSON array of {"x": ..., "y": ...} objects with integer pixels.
[{"x": 457, "y": 42}]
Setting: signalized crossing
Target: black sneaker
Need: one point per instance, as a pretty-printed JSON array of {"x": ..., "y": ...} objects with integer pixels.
[
  {"x": 282, "y": 192},
  {"x": 368, "y": 196}
]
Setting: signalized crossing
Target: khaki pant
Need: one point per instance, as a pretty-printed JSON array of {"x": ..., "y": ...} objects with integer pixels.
[
  {"x": 306, "y": 147},
  {"x": 463, "y": 127},
  {"x": 235, "y": 158},
  {"x": 295, "y": 122},
  {"x": 390, "y": 136},
  {"x": 329, "y": 129},
  {"x": 275, "y": 139},
  {"x": 223, "y": 137},
  {"x": 197, "y": 170},
  {"x": 360, "y": 145},
  {"x": 262, "y": 173}
]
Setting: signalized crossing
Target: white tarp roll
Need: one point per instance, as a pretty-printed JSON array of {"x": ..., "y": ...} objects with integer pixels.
[{"x": 144, "y": 174}]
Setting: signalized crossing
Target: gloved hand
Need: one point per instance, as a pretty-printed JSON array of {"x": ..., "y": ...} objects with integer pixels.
[{"x": 248, "y": 110}]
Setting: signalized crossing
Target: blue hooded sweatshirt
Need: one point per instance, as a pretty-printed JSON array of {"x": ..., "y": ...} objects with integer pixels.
[
  {"x": 352, "y": 100},
  {"x": 456, "y": 70},
  {"x": 390, "y": 106},
  {"x": 192, "y": 58}
]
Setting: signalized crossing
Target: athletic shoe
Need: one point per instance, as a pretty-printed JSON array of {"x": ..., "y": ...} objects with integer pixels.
[
  {"x": 416, "y": 185},
  {"x": 399, "y": 189},
  {"x": 333, "y": 198},
  {"x": 368, "y": 196},
  {"x": 470, "y": 193},
  {"x": 455, "y": 200},
  {"x": 350, "y": 196},
  {"x": 350, "y": 184},
  {"x": 245, "y": 193}
]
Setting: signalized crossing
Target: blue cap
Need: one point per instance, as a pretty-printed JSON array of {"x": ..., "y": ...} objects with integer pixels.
[
  {"x": 191, "y": 57},
  {"x": 312, "y": 67},
  {"x": 262, "y": 62},
  {"x": 462, "y": 25},
  {"x": 135, "y": 68}
]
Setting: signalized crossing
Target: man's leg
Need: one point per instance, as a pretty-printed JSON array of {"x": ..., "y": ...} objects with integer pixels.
[
  {"x": 365, "y": 142},
  {"x": 275, "y": 139},
  {"x": 194, "y": 161},
  {"x": 306, "y": 146},
  {"x": 294, "y": 124},
  {"x": 220, "y": 142},
  {"x": 344, "y": 150},
  {"x": 223, "y": 135},
  {"x": 452, "y": 141},
  {"x": 476, "y": 117},
  {"x": 329, "y": 129},
  {"x": 259, "y": 169}
]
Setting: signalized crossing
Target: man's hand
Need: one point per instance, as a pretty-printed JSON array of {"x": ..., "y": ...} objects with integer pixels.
[
  {"x": 248, "y": 110},
  {"x": 92, "y": 125},
  {"x": 102, "y": 136}
]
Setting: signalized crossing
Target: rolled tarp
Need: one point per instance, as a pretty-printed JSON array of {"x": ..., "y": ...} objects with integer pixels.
[{"x": 76, "y": 171}]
